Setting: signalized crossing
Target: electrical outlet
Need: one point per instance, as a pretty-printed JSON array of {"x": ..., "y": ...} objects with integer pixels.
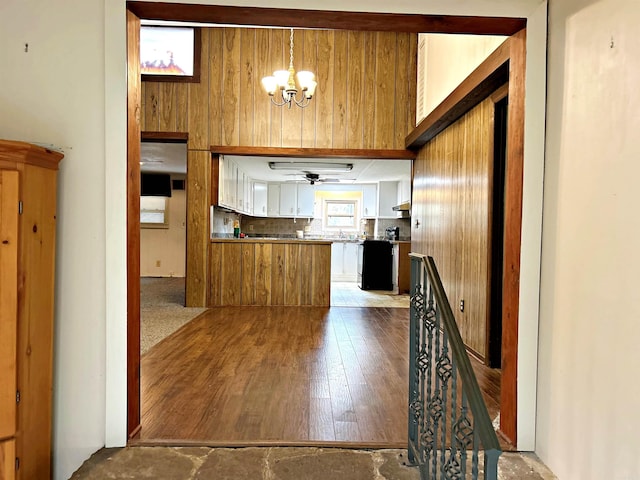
[{"x": 157, "y": 263}]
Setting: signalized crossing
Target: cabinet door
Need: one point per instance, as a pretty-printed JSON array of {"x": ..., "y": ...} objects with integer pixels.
[
  {"x": 288, "y": 199},
  {"x": 369, "y": 201},
  {"x": 337, "y": 261},
  {"x": 260, "y": 199},
  {"x": 7, "y": 459},
  {"x": 350, "y": 264},
  {"x": 8, "y": 300},
  {"x": 387, "y": 198},
  {"x": 273, "y": 200},
  {"x": 306, "y": 200}
]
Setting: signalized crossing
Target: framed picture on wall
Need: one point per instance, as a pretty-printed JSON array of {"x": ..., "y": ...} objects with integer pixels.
[{"x": 170, "y": 54}]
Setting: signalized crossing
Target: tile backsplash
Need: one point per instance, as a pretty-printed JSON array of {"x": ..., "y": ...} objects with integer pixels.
[{"x": 222, "y": 225}]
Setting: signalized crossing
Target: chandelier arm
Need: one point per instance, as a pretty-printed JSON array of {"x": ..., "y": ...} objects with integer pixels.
[{"x": 278, "y": 104}]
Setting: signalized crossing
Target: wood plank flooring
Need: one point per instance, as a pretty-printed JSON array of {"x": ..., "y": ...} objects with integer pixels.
[{"x": 282, "y": 375}]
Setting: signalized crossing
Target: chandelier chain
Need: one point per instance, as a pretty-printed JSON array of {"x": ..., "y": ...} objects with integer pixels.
[{"x": 291, "y": 48}]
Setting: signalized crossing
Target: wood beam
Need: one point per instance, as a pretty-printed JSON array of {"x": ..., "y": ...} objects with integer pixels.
[
  {"x": 316, "y": 152},
  {"x": 325, "y": 19}
]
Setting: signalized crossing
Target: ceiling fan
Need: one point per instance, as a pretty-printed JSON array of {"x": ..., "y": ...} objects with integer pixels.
[{"x": 313, "y": 178}]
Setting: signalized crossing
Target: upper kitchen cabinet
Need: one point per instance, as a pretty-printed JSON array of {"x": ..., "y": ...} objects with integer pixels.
[
  {"x": 369, "y": 201},
  {"x": 305, "y": 201},
  {"x": 288, "y": 206},
  {"x": 260, "y": 199},
  {"x": 387, "y": 199},
  {"x": 273, "y": 200}
]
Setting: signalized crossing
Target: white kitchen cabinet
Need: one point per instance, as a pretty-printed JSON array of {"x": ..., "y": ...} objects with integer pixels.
[
  {"x": 369, "y": 201},
  {"x": 404, "y": 191},
  {"x": 273, "y": 200},
  {"x": 387, "y": 199},
  {"x": 260, "y": 199},
  {"x": 288, "y": 205},
  {"x": 344, "y": 262},
  {"x": 228, "y": 183},
  {"x": 305, "y": 200},
  {"x": 350, "y": 264}
]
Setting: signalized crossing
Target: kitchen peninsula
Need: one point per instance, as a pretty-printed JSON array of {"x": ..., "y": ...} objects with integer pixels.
[{"x": 266, "y": 271}]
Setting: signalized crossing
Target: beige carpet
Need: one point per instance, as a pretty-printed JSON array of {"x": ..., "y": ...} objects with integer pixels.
[{"x": 162, "y": 309}]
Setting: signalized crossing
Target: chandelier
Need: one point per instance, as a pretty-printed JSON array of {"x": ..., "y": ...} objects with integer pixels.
[{"x": 284, "y": 82}]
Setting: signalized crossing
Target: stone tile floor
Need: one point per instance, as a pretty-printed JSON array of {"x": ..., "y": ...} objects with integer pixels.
[{"x": 274, "y": 463}]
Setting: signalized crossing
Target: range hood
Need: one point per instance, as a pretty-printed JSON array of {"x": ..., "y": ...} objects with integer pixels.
[{"x": 404, "y": 210}]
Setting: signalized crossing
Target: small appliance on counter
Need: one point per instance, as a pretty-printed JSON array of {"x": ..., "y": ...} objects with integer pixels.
[{"x": 392, "y": 233}]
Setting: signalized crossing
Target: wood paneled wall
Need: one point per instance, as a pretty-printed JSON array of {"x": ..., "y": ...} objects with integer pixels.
[
  {"x": 451, "y": 201},
  {"x": 365, "y": 97}
]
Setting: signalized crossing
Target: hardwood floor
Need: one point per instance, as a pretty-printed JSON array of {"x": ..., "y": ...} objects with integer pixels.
[{"x": 281, "y": 375}]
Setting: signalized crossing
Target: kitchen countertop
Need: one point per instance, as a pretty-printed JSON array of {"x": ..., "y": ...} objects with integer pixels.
[{"x": 272, "y": 240}]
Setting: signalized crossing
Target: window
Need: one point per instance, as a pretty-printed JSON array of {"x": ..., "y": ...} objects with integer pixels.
[
  {"x": 341, "y": 215},
  {"x": 154, "y": 212},
  {"x": 170, "y": 54}
]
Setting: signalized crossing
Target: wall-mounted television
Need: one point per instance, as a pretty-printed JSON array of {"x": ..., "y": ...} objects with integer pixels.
[{"x": 155, "y": 185}]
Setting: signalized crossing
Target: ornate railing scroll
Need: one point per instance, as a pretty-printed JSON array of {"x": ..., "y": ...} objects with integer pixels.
[{"x": 448, "y": 420}]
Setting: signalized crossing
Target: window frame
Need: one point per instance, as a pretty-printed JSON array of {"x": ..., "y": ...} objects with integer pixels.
[
  {"x": 354, "y": 227},
  {"x": 165, "y": 224}
]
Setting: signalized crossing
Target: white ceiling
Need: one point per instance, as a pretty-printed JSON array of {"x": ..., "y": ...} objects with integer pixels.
[{"x": 172, "y": 158}]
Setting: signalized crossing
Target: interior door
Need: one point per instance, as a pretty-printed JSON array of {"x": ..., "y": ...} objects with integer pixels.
[{"x": 8, "y": 299}]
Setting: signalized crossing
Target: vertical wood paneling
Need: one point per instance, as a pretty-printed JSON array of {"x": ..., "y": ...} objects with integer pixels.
[
  {"x": 231, "y": 273},
  {"x": 412, "y": 79},
  {"x": 248, "y": 83},
  {"x": 292, "y": 117},
  {"x": 216, "y": 67},
  {"x": 452, "y": 183},
  {"x": 263, "y": 258},
  {"x": 143, "y": 105},
  {"x": 306, "y": 267},
  {"x": 340, "y": 96},
  {"x": 262, "y": 103},
  {"x": 277, "y": 274},
  {"x": 310, "y": 62},
  {"x": 385, "y": 89},
  {"x": 277, "y": 58},
  {"x": 151, "y": 101},
  {"x": 198, "y": 94},
  {"x": 365, "y": 96},
  {"x": 324, "y": 97},
  {"x": 215, "y": 273},
  {"x": 401, "y": 89},
  {"x": 198, "y": 203},
  {"x": 355, "y": 90},
  {"x": 248, "y": 272},
  {"x": 167, "y": 115},
  {"x": 7, "y": 459},
  {"x": 231, "y": 87},
  {"x": 370, "y": 89},
  {"x": 321, "y": 289},
  {"x": 292, "y": 274}
]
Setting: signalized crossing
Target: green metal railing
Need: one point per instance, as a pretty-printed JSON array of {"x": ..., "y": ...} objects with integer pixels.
[{"x": 448, "y": 420}]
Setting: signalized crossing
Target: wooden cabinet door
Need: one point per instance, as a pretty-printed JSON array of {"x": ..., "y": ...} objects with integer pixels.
[
  {"x": 7, "y": 460},
  {"x": 8, "y": 300}
]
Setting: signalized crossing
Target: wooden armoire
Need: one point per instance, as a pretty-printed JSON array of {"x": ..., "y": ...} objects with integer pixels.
[{"x": 27, "y": 257}]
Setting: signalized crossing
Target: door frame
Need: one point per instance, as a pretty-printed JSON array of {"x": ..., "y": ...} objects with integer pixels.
[{"x": 515, "y": 27}]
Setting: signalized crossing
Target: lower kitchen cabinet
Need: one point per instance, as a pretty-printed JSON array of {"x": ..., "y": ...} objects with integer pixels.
[
  {"x": 344, "y": 262},
  {"x": 401, "y": 272}
]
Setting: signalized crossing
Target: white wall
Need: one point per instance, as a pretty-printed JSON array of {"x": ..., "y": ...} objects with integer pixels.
[
  {"x": 70, "y": 90},
  {"x": 54, "y": 93},
  {"x": 449, "y": 60},
  {"x": 588, "y": 394},
  {"x": 166, "y": 245}
]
